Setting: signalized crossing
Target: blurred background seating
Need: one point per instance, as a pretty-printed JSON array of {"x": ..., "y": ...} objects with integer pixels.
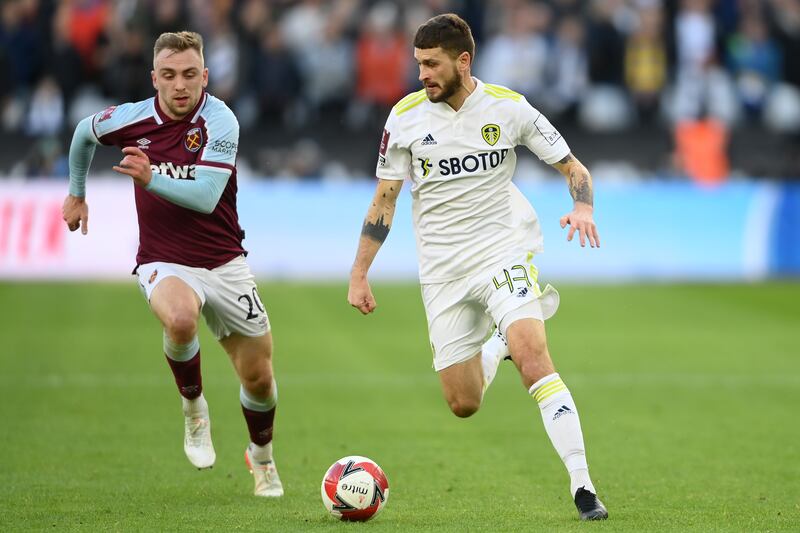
[{"x": 642, "y": 89}]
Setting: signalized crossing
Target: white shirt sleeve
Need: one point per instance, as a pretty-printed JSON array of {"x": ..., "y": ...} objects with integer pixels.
[
  {"x": 394, "y": 159},
  {"x": 540, "y": 136}
]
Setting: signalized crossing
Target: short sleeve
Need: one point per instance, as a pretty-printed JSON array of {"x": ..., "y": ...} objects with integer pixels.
[
  {"x": 394, "y": 159},
  {"x": 222, "y": 145},
  {"x": 540, "y": 136},
  {"x": 112, "y": 119}
]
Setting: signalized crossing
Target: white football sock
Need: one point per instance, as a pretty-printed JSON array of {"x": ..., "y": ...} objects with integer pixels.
[
  {"x": 197, "y": 406},
  {"x": 492, "y": 352},
  {"x": 262, "y": 454},
  {"x": 560, "y": 417}
]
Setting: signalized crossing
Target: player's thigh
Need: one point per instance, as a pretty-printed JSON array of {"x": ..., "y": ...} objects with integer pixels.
[
  {"x": 175, "y": 295},
  {"x": 457, "y": 323},
  {"x": 511, "y": 292},
  {"x": 233, "y": 305},
  {"x": 252, "y": 359}
]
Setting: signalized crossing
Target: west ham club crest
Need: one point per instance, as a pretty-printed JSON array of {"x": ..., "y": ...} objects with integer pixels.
[{"x": 193, "y": 140}]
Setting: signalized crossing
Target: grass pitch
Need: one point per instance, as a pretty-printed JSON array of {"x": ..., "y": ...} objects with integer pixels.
[{"x": 688, "y": 396}]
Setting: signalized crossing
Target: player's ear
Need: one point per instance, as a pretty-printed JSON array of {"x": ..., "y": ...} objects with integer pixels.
[
  {"x": 463, "y": 61},
  {"x": 153, "y": 77},
  {"x": 205, "y": 77}
]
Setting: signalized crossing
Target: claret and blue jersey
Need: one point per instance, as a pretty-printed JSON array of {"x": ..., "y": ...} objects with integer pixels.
[{"x": 205, "y": 139}]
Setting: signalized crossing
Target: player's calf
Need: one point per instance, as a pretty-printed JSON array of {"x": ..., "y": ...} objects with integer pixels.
[
  {"x": 462, "y": 385},
  {"x": 527, "y": 343}
]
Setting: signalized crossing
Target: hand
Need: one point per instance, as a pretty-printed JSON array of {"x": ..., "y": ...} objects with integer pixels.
[
  {"x": 360, "y": 295},
  {"x": 135, "y": 164},
  {"x": 580, "y": 219},
  {"x": 75, "y": 212}
]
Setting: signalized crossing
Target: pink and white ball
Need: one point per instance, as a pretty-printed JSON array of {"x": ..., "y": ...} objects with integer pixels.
[{"x": 354, "y": 489}]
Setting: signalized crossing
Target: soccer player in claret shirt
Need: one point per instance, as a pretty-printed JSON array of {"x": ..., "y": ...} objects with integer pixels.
[
  {"x": 477, "y": 234},
  {"x": 180, "y": 149}
]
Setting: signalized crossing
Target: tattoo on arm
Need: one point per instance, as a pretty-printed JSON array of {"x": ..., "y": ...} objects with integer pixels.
[
  {"x": 567, "y": 158},
  {"x": 377, "y": 231},
  {"x": 580, "y": 186}
]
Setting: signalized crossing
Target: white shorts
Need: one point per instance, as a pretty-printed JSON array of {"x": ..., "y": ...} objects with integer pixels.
[
  {"x": 462, "y": 313},
  {"x": 228, "y": 295}
]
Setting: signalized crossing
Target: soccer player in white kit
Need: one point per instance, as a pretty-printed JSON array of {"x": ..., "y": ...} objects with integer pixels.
[{"x": 477, "y": 234}]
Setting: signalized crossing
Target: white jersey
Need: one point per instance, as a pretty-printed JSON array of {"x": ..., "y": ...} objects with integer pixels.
[{"x": 467, "y": 214}]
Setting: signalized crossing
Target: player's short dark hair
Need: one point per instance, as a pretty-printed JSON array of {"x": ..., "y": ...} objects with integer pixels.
[
  {"x": 448, "y": 31},
  {"x": 178, "y": 41}
]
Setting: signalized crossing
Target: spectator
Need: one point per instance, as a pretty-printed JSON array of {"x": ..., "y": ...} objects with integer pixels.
[
  {"x": 329, "y": 69},
  {"x": 646, "y": 62},
  {"x": 516, "y": 57},
  {"x": 128, "y": 59},
  {"x": 277, "y": 78},
  {"x": 755, "y": 62},
  {"x": 606, "y": 44},
  {"x": 381, "y": 57},
  {"x": 785, "y": 21},
  {"x": 87, "y": 20},
  {"x": 46, "y": 110},
  {"x": 701, "y": 84},
  {"x": 167, "y": 15},
  {"x": 222, "y": 55},
  {"x": 569, "y": 67},
  {"x": 22, "y": 46},
  {"x": 63, "y": 59}
]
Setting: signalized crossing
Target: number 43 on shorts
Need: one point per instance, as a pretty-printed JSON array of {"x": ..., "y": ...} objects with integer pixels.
[{"x": 513, "y": 278}]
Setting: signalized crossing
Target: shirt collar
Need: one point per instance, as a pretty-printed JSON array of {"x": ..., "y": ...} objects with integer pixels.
[{"x": 191, "y": 116}]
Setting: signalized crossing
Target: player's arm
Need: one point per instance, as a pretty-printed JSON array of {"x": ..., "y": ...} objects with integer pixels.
[
  {"x": 581, "y": 218},
  {"x": 75, "y": 210},
  {"x": 201, "y": 194},
  {"x": 376, "y": 228}
]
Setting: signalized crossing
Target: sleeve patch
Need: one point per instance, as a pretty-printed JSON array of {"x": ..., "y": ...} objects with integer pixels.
[
  {"x": 384, "y": 142},
  {"x": 549, "y": 133},
  {"x": 106, "y": 114},
  {"x": 224, "y": 147}
]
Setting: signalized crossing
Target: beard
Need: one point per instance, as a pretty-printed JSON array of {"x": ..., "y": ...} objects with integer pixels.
[
  {"x": 448, "y": 88},
  {"x": 182, "y": 111}
]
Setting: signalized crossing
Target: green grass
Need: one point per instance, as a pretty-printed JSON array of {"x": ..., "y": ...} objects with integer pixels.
[{"x": 688, "y": 396}]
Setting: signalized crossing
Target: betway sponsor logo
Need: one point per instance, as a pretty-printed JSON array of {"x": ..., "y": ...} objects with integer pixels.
[{"x": 179, "y": 172}]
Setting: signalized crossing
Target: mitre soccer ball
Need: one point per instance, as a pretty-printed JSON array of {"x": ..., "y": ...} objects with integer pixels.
[{"x": 354, "y": 488}]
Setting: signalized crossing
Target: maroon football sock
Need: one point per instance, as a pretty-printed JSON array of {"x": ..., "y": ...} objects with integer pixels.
[
  {"x": 259, "y": 424},
  {"x": 187, "y": 376}
]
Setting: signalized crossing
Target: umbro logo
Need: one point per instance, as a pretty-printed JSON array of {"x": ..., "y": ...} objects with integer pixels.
[
  {"x": 143, "y": 142},
  {"x": 563, "y": 410},
  {"x": 428, "y": 140}
]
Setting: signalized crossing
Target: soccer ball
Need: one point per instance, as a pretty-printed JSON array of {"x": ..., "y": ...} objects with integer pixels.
[{"x": 354, "y": 488}]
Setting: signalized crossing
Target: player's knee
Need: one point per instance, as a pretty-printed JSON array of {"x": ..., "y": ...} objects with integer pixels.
[
  {"x": 463, "y": 407},
  {"x": 181, "y": 326},
  {"x": 258, "y": 386},
  {"x": 534, "y": 368}
]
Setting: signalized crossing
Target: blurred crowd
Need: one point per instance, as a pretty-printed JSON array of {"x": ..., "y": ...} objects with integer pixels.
[{"x": 603, "y": 65}]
